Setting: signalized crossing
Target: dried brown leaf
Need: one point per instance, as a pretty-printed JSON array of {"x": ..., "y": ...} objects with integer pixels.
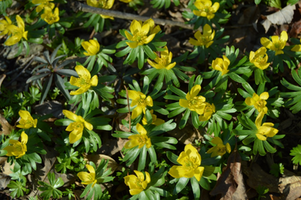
[
  {"x": 291, "y": 187},
  {"x": 231, "y": 184},
  {"x": 6, "y": 168},
  {"x": 6, "y": 127},
  {"x": 257, "y": 177},
  {"x": 283, "y": 16}
]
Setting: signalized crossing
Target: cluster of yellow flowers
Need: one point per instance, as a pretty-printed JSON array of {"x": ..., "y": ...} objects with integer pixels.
[
  {"x": 259, "y": 102},
  {"x": 50, "y": 14},
  {"x": 190, "y": 166},
  {"x": 18, "y": 149},
  {"x": 198, "y": 104},
  {"x": 14, "y": 33}
]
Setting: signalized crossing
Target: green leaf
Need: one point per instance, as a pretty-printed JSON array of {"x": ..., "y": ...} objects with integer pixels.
[
  {"x": 142, "y": 158},
  {"x": 195, "y": 188},
  {"x": 50, "y": 190},
  {"x": 180, "y": 185},
  {"x": 296, "y": 152},
  {"x": 257, "y": 2},
  {"x": 46, "y": 87},
  {"x": 149, "y": 52},
  {"x": 172, "y": 157},
  {"x": 16, "y": 188}
]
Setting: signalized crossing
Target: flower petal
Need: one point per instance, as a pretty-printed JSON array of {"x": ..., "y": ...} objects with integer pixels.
[
  {"x": 217, "y": 140},
  {"x": 70, "y": 115},
  {"x": 198, "y": 173},
  {"x": 141, "y": 130},
  {"x": 24, "y": 138}
]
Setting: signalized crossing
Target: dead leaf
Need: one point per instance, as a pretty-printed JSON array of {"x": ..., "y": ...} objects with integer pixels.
[
  {"x": 231, "y": 184},
  {"x": 2, "y": 160},
  {"x": 283, "y": 16},
  {"x": 4, "y": 181},
  {"x": 291, "y": 187},
  {"x": 257, "y": 177},
  {"x": 6, "y": 168},
  {"x": 6, "y": 127}
]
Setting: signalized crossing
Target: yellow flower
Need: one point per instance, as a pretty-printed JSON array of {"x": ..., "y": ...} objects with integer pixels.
[
  {"x": 26, "y": 121},
  {"x": 190, "y": 159},
  {"x": 84, "y": 82},
  {"x": 221, "y": 64},
  {"x": 92, "y": 47},
  {"x": 17, "y": 32},
  {"x": 208, "y": 111},
  {"x": 17, "y": 148},
  {"x": 205, "y": 8},
  {"x": 219, "y": 149},
  {"x": 156, "y": 121},
  {"x": 297, "y": 47},
  {"x": 194, "y": 102},
  {"x": 140, "y": 101},
  {"x": 259, "y": 58},
  {"x": 266, "y": 129},
  {"x": 43, "y": 4},
  {"x": 76, "y": 127},
  {"x": 259, "y": 102},
  {"x": 126, "y": 1},
  {"x": 163, "y": 62},
  {"x": 49, "y": 16},
  {"x": 205, "y": 39},
  {"x": 141, "y": 33},
  {"x": 137, "y": 183},
  {"x": 104, "y": 4},
  {"x": 139, "y": 140},
  {"x": 277, "y": 44},
  {"x": 88, "y": 178},
  {"x": 7, "y": 27}
]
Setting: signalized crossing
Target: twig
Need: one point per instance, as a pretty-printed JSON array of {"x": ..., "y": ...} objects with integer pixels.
[
  {"x": 128, "y": 101},
  {"x": 77, "y": 6}
]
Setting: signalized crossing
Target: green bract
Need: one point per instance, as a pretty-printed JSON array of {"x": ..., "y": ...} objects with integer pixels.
[{"x": 250, "y": 135}]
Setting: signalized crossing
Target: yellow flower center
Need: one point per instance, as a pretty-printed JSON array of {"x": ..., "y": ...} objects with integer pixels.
[
  {"x": 138, "y": 37},
  {"x": 142, "y": 101},
  {"x": 142, "y": 139},
  {"x": 261, "y": 103},
  {"x": 196, "y": 102},
  {"x": 191, "y": 163},
  {"x": 221, "y": 149},
  {"x": 77, "y": 125},
  {"x": 18, "y": 147},
  {"x": 277, "y": 45}
]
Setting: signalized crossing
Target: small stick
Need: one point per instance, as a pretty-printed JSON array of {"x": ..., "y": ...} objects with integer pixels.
[{"x": 77, "y": 6}]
